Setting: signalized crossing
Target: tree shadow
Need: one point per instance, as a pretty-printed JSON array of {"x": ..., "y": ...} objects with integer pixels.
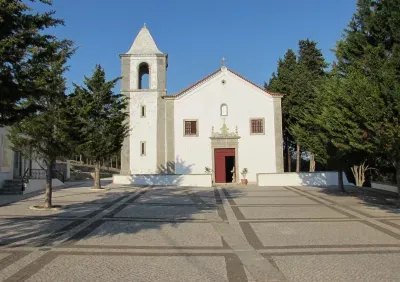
[
  {"x": 128, "y": 217},
  {"x": 365, "y": 197},
  {"x": 321, "y": 178}
]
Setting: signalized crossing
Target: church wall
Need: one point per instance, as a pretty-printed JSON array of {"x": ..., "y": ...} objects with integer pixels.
[{"x": 256, "y": 152}]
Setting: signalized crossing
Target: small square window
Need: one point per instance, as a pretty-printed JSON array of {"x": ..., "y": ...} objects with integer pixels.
[
  {"x": 143, "y": 148},
  {"x": 143, "y": 111},
  {"x": 257, "y": 126},
  {"x": 191, "y": 128}
]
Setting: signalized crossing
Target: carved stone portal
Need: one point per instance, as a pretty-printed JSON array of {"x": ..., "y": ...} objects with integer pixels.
[
  {"x": 225, "y": 133},
  {"x": 225, "y": 139}
]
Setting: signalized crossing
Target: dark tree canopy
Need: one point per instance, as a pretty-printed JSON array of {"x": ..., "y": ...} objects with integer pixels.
[
  {"x": 44, "y": 135},
  {"x": 297, "y": 77},
  {"x": 24, "y": 50}
]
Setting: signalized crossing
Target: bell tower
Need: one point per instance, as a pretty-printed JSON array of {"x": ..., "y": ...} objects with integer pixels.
[{"x": 144, "y": 69}]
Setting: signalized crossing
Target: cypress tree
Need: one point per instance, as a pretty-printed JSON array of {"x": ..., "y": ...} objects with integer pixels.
[
  {"x": 310, "y": 72},
  {"x": 297, "y": 78},
  {"x": 283, "y": 82}
]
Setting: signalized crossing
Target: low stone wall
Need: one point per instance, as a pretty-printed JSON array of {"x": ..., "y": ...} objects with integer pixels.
[
  {"x": 384, "y": 186},
  {"x": 323, "y": 178},
  {"x": 40, "y": 184},
  {"x": 199, "y": 180}
]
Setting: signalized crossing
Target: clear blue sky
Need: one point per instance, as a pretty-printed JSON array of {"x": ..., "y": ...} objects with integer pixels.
[{"x": 251, "y": 34}]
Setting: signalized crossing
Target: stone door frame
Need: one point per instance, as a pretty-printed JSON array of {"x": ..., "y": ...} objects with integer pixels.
[{"x": 225, "y": 143}]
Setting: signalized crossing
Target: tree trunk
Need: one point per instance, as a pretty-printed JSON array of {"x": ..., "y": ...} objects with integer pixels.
[
  {"x": 312, "y": 162},
  {"x": 359, "y": 173},
  {"x": 97, "y": 184},
  {"x": 355, "y": 171},
  {"x": 398, "y": 177},
  {"x": 289, "y": 159},
  {"x": 340, "y": 180},
  {"x": 298, "y": 158},
  {"x": 49, "y": 188}
]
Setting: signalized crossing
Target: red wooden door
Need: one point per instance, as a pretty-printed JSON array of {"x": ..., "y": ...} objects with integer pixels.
[{"x": 220, "y": 163}]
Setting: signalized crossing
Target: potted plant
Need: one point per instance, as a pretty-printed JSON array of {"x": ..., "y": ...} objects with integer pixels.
[
  {"x": 209, "y": 171},
  {"x": 244, "y": 173}
]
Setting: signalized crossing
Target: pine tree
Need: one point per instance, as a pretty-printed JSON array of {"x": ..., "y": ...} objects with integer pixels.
[
  {"x": 44, "y": 135},
  {"x": 22, "y": 45},
  {"x": 283, "y": 82},
  {"x": 99, "y": 117}
]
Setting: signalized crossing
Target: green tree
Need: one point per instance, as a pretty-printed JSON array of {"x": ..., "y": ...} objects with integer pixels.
[
  {"x": 342, "y": 119},
  {"x": 22, "y": 45},
  {"x": 366, "y": 89},
  {"x": 44, "y": 135},
  {"x": 283, "y": 82},
  {"x": 309, "y": 74},
  {"x": 99, "y": 119},
  {"x": 297, "y": 78}
]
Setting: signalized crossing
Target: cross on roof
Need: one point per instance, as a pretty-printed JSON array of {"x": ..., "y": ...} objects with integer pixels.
[{"x": 223, "y": 62}]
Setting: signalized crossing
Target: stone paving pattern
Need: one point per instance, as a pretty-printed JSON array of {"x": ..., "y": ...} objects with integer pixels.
[{"x": 224, "y": 233}]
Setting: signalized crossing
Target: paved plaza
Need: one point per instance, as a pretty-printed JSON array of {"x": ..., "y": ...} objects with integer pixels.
[{"x": 224, "y": 233}]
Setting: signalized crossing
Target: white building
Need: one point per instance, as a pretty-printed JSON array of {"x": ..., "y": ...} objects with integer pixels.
[
  {"x": 223, "y": 121},
  {"x": 12, "y": 164}
]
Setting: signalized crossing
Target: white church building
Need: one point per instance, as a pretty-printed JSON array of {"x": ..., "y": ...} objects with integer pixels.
[{"x": 223, "y": 122}]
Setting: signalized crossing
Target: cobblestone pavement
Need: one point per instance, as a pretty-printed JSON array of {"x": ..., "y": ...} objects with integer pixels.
[{"x": 224, "y": 233}]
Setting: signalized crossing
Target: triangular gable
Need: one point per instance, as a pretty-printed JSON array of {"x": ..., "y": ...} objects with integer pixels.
[{"x": 208, "y": 77}]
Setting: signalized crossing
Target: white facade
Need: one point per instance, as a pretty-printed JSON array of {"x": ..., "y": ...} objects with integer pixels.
[
  {"x": 223, "y": 99},
  {"x": 244, "y": 101}
]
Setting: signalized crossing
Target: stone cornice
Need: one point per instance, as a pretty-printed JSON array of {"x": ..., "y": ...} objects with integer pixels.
[
  {"x": 144, "y": 90},
  {"x": 142, "y": 55}
]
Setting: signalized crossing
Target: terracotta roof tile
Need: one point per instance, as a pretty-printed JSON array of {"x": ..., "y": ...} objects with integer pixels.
[{"x": 173, "y": 96}]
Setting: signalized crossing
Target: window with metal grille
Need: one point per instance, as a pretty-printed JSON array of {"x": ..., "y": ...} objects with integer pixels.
[
  {"x": 190, "y": 128},
  {"x": 257, "y": 126}
]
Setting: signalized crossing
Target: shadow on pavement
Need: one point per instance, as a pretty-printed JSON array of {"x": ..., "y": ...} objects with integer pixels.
[
  {"x": 122, "y": 214},
  {"x": 387, "y": 202}
]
